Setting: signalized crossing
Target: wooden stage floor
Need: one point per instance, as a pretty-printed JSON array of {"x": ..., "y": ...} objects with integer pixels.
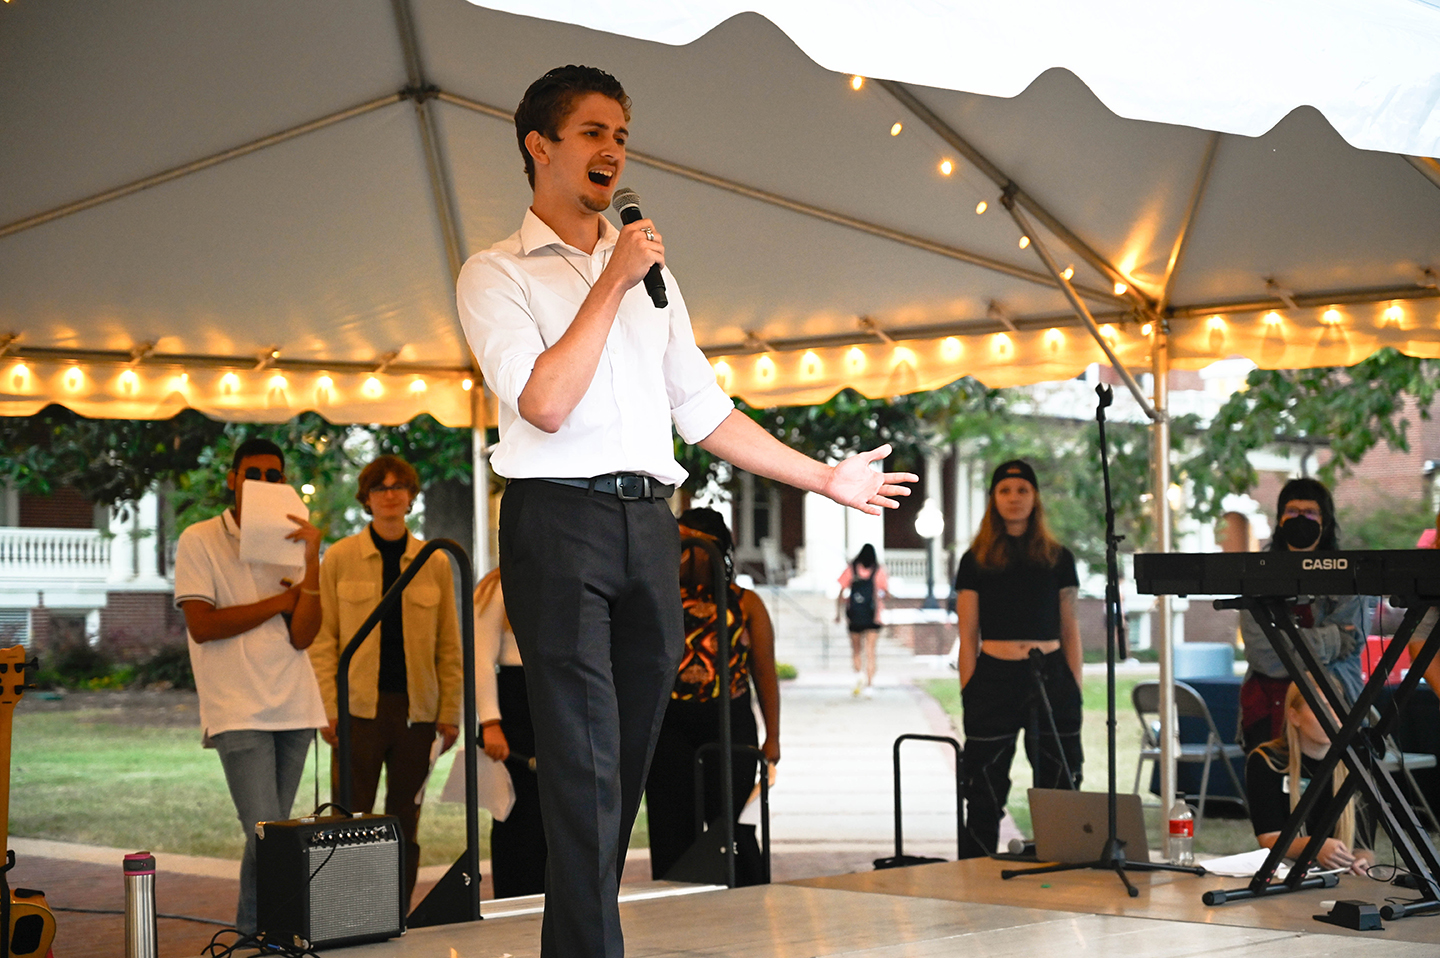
[{"x": 957, "y": 908}]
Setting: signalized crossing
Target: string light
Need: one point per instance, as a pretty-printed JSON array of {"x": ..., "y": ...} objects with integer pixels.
[
  {"x": 129, "y": 381},
  {"x": 902, "y": 354},
  {"x": 855, "y": 359},
  {"x": 1068, "y": 272},
  {"x": 1001, "y": 345},
  {"x": 981, "y": 207},
  {"x": 278, "y": 381},
  {"x": 950, "y": 349},
  {"x": 372, "y": 387},
  {"x": 722, "y": 371},
  {"x": 417, "y": 386},
  {"x": 74, "y": 379},
  {"x": 1273, "y": 318},
  {"x": 1121, "y": 289},
  {"x": 856, "y": 82},
  {"x": 1331, "y": 316},
  {"x": 765, "y": 367},
  {"x": 1217, "y": 322},
  {"x": 466, "y": 385},
  {"x": 1024, "y": 242},
  {"x": 946, "y": 167},
  {"x": 895, "y": 130},
  {"x": 20, "y": 376},
  {"x": 1145, "y": 330},
  {"x": 1054, "y": 339},
  {"x": 1108, "y": 331},
  {"x": 325, "y": 383},
  {"x": 229, "y": 383},
  {"x": 1394, "y": 314},
  {"x": 810, "y": 363}
]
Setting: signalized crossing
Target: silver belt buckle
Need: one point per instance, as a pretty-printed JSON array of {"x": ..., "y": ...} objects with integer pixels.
[{"x": 640, "y": 482}]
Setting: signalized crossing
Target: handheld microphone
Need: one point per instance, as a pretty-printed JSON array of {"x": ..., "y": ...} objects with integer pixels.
[{"x": 627, "y": 203}]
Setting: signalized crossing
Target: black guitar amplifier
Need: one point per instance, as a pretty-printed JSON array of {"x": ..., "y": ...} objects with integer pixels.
[{"x": 330, "y": 880}]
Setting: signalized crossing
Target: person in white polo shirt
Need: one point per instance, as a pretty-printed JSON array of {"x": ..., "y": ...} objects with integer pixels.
[{"x": 249, "y": 626}]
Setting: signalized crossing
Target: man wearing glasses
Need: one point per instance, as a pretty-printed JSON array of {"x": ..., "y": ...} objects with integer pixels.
[{"x": 249, "y": 625}]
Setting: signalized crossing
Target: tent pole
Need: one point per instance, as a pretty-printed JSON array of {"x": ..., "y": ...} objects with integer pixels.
[
  {"x": 480, "y": 477},
  {"x": 1079, "y": 307},
  {"x": 1169, "y": 732},
  {"x": 194, "y": 166}
]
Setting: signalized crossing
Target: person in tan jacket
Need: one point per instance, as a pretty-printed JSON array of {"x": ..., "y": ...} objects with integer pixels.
[{"x": 406, "y": 680}]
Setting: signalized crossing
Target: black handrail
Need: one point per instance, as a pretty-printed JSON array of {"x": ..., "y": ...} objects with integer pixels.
[
  {"x": 467, "y": 650},
  {"x": 721, "y": 588},
  {"x": 959, "y": 790},
  {"x": 764, "y": 800}
]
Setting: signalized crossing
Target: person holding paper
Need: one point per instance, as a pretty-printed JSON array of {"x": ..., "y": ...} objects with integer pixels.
[
  {"x": 692, "y": 718},
  {"x": 517, "y": 844},
  {"x": 249, "y": 624},
  {"x": 406, "y": 683}
]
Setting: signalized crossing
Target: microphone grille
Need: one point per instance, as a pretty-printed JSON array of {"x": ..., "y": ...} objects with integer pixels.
[{"x": 624, "y": 197}]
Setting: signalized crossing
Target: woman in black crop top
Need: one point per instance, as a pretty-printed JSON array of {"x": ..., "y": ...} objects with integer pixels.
[{"x": 1015, "y": 601}]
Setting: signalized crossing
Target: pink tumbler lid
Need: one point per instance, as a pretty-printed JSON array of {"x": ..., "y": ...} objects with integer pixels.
[{"x": 139, "y": 863}]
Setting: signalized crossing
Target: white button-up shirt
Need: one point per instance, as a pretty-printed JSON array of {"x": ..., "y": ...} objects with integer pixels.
[{"x": 517, "y": 298}]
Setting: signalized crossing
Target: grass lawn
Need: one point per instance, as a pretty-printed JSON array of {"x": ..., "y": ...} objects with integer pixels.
[
  {"x": 89, "y": 777},
  {"x": 1214, "y": 835}
]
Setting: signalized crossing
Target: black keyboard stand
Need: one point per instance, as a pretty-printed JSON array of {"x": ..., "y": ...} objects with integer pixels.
[{"x": 1358, "y": 747}]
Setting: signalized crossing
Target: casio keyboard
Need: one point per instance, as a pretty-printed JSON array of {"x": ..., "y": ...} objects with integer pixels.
[{"x": 1264, "y": 585}]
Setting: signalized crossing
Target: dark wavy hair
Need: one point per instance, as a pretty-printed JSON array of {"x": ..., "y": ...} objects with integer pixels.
[
  {"x": 712, "y": 524},
  {"x": 550, "y": 99},
  {"x": 257, "y": 446},
  {"x": 865, "y": 558},
  {"x": 1314, "y": 489}
]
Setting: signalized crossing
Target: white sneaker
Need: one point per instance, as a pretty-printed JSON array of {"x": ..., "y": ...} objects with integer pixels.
[{"x": 868, "y": 691}]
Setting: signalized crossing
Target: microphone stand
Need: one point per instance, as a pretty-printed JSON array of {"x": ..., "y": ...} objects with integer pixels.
[{"x": 1112, "y": 856}]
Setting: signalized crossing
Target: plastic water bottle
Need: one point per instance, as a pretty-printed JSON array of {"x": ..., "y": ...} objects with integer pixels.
[{"x": 1180, "y": 844}]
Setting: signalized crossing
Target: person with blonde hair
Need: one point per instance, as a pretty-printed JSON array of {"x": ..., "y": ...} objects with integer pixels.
[
  {"x": 1280, "y": 771},
  {"x": 1019, "y": 649}
]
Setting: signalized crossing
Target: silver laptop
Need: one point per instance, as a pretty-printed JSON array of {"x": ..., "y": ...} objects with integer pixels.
[{"x": 1072, "y": 827}]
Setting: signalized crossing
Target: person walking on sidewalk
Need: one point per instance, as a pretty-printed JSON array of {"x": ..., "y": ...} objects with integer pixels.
[
  {"x": 1015, "y": 602},
  {"x": 863, "y": 587}
]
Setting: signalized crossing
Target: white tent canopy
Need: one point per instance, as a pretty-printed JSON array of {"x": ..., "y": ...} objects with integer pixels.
[{"x": 254, "y": 210}]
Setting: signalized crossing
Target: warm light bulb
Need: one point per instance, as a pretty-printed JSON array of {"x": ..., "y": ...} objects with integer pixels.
[
  {"x": 855, "y": 359},
  {"x": 372, "y": 387},
  {"x": 1331, "y": 316},
  {"x": 1000, "y": 343},
  {"x": 1394, "y": 314},
  {"x": 325, "y": 382},
  {"x": 278, "y": 381},
  {"x": 950, "y": 349},
  {"x": 229, "y": 383},
  {"x": 856, "y": 82},
  {"x": 74, "y": 379},
  {"x": 1108, "y": 331},
  {"x": 1273, "y": 318},
  {"x": 902, "y": 354},
  {"x": 722, "y": 370},
  {"x": 1024, "y": 242},
  {"x": 1068, "y": 272},
  {"x": 129, "y": 381},
  {"x": 1121, "y": 289},
  {"x": 765, "y": 367},
  {"x": 895, "y": 130},
  {"x": 1217, "y": 322},
  {"x": 946, "y": 167},
  {"x": 417, "y": 385},
  {"x": 981, "y": 207},
  {"x": 1054, "y": 338},
  {"x": 1145, "y": 330},
  {"x": 466, "y": 385},
  {"x": 810, "y": 363}
]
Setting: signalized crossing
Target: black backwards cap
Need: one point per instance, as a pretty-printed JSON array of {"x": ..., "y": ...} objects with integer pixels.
[{"x": 1014, "y": 469}]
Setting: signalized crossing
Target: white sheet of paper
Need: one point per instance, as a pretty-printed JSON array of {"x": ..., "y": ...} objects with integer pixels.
[
  {"x": 750, "y": 814},
  {"x": 264, "y": 526},
  {"x": 495, "y": 788},
  {"x": 1243, "y": 865}
]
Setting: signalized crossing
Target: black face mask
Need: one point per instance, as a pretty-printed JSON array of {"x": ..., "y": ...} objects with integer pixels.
[{"x": 1299, "y": 532}]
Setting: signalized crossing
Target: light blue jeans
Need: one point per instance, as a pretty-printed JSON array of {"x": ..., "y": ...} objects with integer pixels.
[{"x": 263, "y": 771}]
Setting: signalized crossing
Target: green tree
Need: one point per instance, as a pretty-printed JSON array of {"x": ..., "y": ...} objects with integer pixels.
[
  {"x": 1348, "y": 410},
  {"x": 110, "y": 461}
]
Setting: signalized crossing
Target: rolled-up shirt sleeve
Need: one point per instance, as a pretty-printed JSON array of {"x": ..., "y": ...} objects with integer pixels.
[
  {"x": 697, "y": 403},
  {"x": 496, "y": 317}
]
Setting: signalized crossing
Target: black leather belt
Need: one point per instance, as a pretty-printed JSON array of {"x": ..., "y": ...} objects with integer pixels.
[{"x": 624, "y": 486}]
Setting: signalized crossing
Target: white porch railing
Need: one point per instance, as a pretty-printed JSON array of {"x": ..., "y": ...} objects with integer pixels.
[
  {"x": 39, "y": 554},
  {"x": 906, "y": 564}
]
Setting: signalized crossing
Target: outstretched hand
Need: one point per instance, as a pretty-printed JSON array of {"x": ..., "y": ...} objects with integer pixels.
[{"x": 853, "y": 483}]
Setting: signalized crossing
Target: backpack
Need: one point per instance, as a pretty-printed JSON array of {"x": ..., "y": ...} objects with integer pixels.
[{"x": 860, "y": 607}]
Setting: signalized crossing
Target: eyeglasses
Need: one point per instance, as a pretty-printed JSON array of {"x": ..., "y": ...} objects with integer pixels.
[
  {"x": 382, "y": 489},
  {"x": 1291, "y": 513},
  {"x": 270, "y": 475}
]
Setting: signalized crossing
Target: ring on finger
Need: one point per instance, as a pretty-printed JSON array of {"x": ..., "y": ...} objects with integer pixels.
[{"x": 649, "y": 234}]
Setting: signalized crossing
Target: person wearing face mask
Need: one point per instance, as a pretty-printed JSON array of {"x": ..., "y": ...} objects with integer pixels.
[{"x": 1334, "y": 626}]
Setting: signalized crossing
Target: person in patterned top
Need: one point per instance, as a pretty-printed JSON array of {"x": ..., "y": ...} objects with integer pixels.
[{"x": 691, "y": 720}]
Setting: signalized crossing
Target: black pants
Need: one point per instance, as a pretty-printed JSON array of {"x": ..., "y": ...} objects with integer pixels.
[
  {"x": 999, "y": 701},
  {"x": 403, "y": 748},
  {"x": 593, "y": 594},
  {"x": 517, "y": 845},
  {"x": 670, "y": 789}
]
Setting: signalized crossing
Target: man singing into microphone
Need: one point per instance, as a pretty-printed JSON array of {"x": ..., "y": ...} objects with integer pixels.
[{"x": 590, "y": 374}]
